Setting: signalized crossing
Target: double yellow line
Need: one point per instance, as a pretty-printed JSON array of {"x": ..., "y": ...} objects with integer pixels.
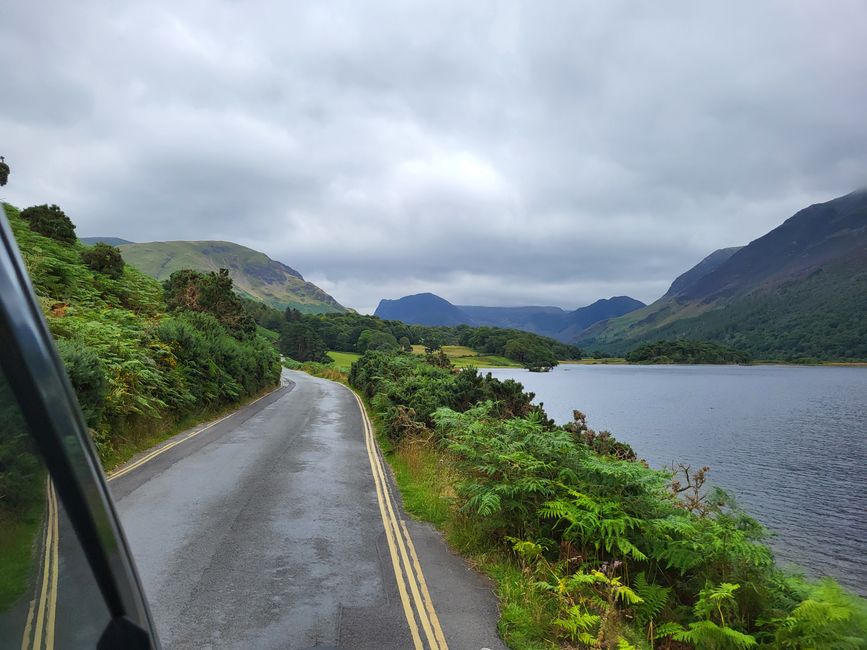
[
  {"x": 414, "y": 595},
  {"x": 39, "y": 634}
]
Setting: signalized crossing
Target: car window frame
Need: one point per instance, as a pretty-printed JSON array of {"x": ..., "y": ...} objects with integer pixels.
[{"x": 35, "y": 372}]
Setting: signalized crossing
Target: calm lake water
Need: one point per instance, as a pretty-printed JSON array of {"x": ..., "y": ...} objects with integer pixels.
[{"x": 789, "y": 442}]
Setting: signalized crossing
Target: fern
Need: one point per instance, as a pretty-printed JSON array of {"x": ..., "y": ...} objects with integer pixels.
[{"x": 654, "y": 598}]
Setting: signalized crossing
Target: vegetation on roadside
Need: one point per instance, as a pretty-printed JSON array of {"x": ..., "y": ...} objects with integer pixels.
[
  {"x": 589, "y": 547},
  {"x": 141, "y": 357},
  {"x": 686, "y": 352}
]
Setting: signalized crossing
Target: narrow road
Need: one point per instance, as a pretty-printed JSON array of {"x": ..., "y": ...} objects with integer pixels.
[{"x": 278, "y": 527}]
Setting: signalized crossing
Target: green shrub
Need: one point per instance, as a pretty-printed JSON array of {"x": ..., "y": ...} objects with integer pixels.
[
  {"x": 104, "y": 259},
  {"x": 87, "y": 376},
  {"x": 51, "y": 222}
]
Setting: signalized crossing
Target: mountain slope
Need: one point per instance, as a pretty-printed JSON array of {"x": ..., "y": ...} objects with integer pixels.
[
  {"x": 554, "y": 322},
  {"x": 422, "y": 309},
  {"x": 111, "y": 241},
  {"x": 254, "y": 274},
  {"x": 708, "y": 265},
  {"x": 798, "y": 291}
]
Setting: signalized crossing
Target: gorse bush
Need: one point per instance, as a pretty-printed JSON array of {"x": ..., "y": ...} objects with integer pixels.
[
  {"x": 624, "y": 555},
  {"x": 51, "y": 221},
  {"x": 105, "y": 259},
  {"x": 137, "y": 367}
]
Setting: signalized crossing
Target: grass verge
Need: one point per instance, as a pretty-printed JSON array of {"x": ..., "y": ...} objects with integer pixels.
[
  {"x": 135, "y": 441},
  {"x": 16, "y": 551}
]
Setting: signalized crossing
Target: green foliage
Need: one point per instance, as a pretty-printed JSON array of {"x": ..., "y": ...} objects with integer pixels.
[
  {"x": 87, "y": 376},
  {"x": 50, "y": 221},
  {"x": 210, "y": 293},
  {"x": 686, "y": 352},
  {"x": 611, "y": 553},
  {"x": 105, "y": 259},
  {"x": 376, "y": 340},
  {"x": 827, "y": 617},
  {"x": 136, "y": 368},
  {"x": 299, "y": 341},
  {"x": 818, "y": 317}
]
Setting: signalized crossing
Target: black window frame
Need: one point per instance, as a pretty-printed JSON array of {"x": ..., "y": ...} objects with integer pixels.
[{"x": 38, "y": 380}]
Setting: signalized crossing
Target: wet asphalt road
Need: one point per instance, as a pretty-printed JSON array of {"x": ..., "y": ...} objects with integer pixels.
[{"x": 264, "y": 532}]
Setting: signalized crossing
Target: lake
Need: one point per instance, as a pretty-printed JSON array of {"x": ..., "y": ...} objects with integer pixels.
[{"x": 789, "y": 442}]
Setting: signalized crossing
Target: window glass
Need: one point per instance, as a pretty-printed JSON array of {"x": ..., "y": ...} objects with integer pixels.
[{"x": 48, "y": 596}]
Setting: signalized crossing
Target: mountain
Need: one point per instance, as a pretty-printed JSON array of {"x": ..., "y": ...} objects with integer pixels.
[
  {"x": 429, "y": 309},
  {"x": 422, "y": 309},
  {"x": 709, "y": 264},
  {"x": 111, "y": 241},
  {"x": 798, "y": 291},
  {"x": 255, "y": 275}
]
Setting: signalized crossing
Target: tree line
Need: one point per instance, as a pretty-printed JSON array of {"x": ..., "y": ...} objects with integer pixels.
[{"x": 307, "y": 337}]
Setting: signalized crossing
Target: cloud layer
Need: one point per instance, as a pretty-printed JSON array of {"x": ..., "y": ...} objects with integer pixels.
[{"x": 494, "y": 152}]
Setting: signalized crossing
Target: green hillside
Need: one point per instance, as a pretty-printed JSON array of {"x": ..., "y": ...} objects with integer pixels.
[
  {"x": 799, "y": 292},
  {"x": 140, "y": 366},
  {"x": 255, "y": 274}
]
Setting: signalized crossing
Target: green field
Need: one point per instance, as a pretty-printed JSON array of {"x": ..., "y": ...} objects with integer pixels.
[
  {"x": 463, "y": 357},
  {"x": 343, "y": 360}
]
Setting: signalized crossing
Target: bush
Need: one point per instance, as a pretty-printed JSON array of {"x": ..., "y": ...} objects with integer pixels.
[
  {"x": 50, "y": 220},
  {"x": 104, "y": 259},
  {"x": 87, "y": 376}
]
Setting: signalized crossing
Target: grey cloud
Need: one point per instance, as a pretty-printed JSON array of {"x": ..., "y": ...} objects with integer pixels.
[{"x": 495, "y": 153}]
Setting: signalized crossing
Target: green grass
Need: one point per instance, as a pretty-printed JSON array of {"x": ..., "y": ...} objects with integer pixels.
[
  {"x": 463, "y": 357},
  {"x": 16, "y": 552},
  {"x": 485, "y": 361},
  {"x": 343, "y": 359}
]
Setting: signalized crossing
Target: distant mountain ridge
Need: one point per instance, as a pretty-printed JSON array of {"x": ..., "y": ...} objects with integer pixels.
[
  {"x": 798, "y": 291},
  {"x": 254, "y": 274},
  {"x": 111, "y": 241},
  {"x": 430, "y": 309}
]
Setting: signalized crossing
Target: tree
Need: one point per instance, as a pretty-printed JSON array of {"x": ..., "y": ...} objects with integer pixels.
[
  {"x": 104, "y": 259},
  {"x": 50, "y": 221},
  {"x": 376, "y": 340},
  {"x": 211, "y": 293},
  {"x": 300, "y": 342}
]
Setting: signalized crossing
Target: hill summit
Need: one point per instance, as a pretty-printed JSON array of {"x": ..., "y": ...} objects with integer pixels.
[{"x": 254, "y": 274}]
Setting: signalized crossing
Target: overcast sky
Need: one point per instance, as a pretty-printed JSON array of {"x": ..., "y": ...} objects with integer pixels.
[{"x": 495, "y": 153}]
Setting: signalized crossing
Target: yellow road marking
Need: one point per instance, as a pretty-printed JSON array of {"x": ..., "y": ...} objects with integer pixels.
[
  {"x": 431, "y": 611},
  {"x": 55, "y": 569},
  {"x": 422, "y": 612},
  {"x": 46, "y": 572},
  {"x": 414, "y": 575},
  {"x": 161, "y": 450},
  {"x": 28, "y": 627},
  {"x": 395, "y": 562}
]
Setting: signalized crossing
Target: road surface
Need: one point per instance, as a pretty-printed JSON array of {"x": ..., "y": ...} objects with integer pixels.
[{"x": 279, "y": 527}]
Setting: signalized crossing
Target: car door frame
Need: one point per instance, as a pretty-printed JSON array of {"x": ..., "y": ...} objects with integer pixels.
[{"x": 38, "y": 380}]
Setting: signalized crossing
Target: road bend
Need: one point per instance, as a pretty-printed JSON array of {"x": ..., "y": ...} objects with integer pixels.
[{"x": 279, "y": 527}]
